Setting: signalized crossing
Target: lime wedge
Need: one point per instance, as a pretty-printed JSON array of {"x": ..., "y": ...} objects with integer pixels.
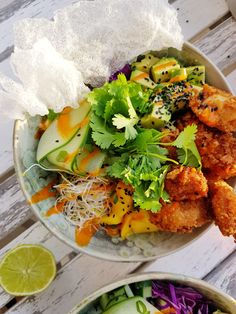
[{"x": 27, "y": 269}]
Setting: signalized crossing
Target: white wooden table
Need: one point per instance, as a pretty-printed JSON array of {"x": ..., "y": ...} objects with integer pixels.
[{"x": 211, "y": 27}]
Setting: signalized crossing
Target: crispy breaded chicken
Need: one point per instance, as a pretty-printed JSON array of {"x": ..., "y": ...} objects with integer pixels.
[
  {"x": 182, "y": 216},
  {"x": 186, "y": 183},
  {"x": 224, "y": 207},
  {"x": 217, "y": 149},
  {"x": 216, "y": 108}
]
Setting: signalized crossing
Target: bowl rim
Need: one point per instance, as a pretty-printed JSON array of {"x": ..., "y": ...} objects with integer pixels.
[
  {"x": 72, "y": 244},
  {"x": 151, "y": 276}
]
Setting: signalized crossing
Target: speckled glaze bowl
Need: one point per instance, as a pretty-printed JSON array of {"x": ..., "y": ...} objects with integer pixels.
[
  {"x": 139, "y": 248},
  {"x": 219, "y": 298}
]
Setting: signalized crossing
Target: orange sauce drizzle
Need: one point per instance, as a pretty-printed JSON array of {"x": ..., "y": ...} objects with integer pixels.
[
  {"x": 55, "y": 209},
  {"x": 169, "y": 310},
  {"x": 84, "y": 235},
  {"x": 43, "y": 194},
  {"x": 163, "y": 66},
  {"x": 63, "y": 123},
  {"x": 140, "y": 76}
]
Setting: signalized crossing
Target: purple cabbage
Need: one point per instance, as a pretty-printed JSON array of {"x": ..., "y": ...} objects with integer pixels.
[
  {"x": 126, "y": 70},
  {"x": 185, "y": 300}
]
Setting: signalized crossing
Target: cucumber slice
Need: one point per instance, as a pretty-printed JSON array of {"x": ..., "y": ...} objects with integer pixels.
[
  {"x": 132, "y": 306},
  {"x": 52, "y": 139},
  {"x": 128, "y": 291}
]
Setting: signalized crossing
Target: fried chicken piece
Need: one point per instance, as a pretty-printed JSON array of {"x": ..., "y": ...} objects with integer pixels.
[
  {"x": 216, "y": 108},
  {"x": 217, "y": 149},
  {"x": 186, "y": 183},
  {"x": 182, "y": 216},
  {"x": 224, "y": 207}
]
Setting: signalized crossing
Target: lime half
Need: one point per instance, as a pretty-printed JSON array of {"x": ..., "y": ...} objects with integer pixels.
[{"x": 27, "y": 269}]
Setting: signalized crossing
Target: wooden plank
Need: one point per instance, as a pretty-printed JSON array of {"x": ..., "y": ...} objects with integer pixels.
[
  {"x": 78, "y": 279},
  {"x": 37, "y": 233},
  {"x": 68, "y": 289},
  {"x": 220, "y": 44},
  {"x": 224, "y": 276},
  {"x": 197, "y": 259},
  {"x": 13, "y": 208},
  {"x": 190, "y": 10},
  {"x": 194, "y": 16}
]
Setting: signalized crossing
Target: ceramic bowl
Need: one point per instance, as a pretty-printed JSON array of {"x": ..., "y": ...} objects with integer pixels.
[
  {"x": 219, "y": 298},
  {"x": 141, "y": 247}
]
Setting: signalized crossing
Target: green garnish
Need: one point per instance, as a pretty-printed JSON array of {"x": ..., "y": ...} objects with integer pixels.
[
  {"x": 116, "y": 108},
  {"x": 187, "y": 151},
  {"x": 143, "y": 164}
]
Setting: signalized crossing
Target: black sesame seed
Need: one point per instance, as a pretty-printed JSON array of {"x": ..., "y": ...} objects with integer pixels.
[
  {"x": 122, "y": 202},
  {"x": 114, "y": 216},
  {"x": 129, "y": 226},
  {"x": 78, "y": 134},
  {"x": 187, "y": 21},
  {"x": 57, "y": 141}
]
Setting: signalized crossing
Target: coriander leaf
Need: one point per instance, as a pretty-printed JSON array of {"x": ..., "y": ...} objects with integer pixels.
[
  {"x": 122, "y": 122},
  {"x": 98, "y": 98},
  {"x": 117, "y": 167},
  {"x": 186, "y": 137},
  {"x": 145, "y": 202},
  {"x": 187, "y": 158},
  {"x": 119, "y": 139},
  {"x": 187, "y": 151},
  {"x": 115, "y": 103},
  {"x": 102, "y": 136}
]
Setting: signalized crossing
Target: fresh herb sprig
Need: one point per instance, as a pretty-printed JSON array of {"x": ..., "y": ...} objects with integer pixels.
[
  {"x": 145, "y": 164},
  {"x": 117, "y": 107}
]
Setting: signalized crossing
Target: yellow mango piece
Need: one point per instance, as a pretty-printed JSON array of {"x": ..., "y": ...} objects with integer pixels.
[
  {"x": 121, "y": 207},
  {"x": 137, "y": 222}
]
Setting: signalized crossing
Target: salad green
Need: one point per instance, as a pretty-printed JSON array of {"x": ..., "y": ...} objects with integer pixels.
[{"x": 153, "y": 297}]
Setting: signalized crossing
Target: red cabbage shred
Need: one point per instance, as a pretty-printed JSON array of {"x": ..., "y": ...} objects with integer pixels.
[
  {"x": 126, "y": 70},
  {"x": 184, "y": 300}
]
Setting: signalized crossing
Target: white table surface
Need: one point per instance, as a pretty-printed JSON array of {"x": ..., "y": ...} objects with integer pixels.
[{"x": 212, "y": 28}]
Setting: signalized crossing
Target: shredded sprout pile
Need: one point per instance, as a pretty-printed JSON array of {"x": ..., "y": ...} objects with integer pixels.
[{"x": 83, "y": 198}]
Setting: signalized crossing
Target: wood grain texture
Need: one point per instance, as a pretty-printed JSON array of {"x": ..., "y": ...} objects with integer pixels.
[
  {"x": 78, "y": 279},
  {"x": 197, "y": 259},
  {"x": 224, "y": 276},
  {"x": 220, "y": 44},
  {"x": 37, "y": 233},
  {"x": 13, "y": 208}
]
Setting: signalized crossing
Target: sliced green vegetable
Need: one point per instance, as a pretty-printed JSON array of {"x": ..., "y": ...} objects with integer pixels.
[
  {"x": 161, "y": 71},
  {"x": 133, "y": 306},
  {"x": 145, "y": 63},
  {"x": 196, "y": 75},
  {"x": 142, "y": 78}
]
